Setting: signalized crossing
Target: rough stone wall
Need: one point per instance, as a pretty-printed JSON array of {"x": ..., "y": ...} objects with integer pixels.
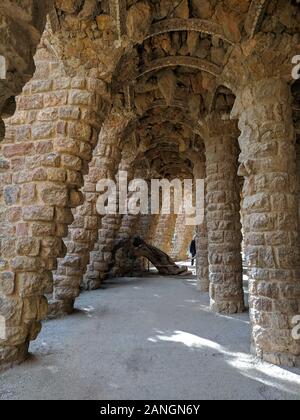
[
  {"x": 144, "y": 226},
  {"x": 153, "y": 228},
  {"x": 21, "y": 26},
  {"x": 48, "y": 145},
  {"x": 270, "y": 210},
  {"x": 183, "y": 234},
  {"x": 164, "y": 232}
]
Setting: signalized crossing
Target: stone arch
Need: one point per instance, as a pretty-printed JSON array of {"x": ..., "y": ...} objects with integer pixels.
[
  {"x": 192, "y": 24},
  {"x": 255, "y": 16},
  {"x": 106, "y": 260},
  {"x": 173, "y": 61},
  {"x": 99, "y": 257},
  {"x": 50, "y": 140}
]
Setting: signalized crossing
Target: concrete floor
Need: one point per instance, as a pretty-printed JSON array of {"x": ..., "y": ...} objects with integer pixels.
[{"x": 150, "y": 338}]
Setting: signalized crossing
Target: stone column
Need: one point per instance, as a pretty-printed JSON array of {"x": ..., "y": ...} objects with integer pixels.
[
  {"x": 223, "y": 217},
  {"x": 83, "y": 233},
  {"x": 268, "y": 163},
  {"x": 47, "y": 147},
  {"x": 202, "y": 266},
  {"x": 100, "y": 257},
  {"x": 298, "y": 177}
]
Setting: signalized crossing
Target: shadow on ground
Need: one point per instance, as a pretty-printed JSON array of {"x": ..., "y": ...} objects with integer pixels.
[{"x": 147, "y": 338}]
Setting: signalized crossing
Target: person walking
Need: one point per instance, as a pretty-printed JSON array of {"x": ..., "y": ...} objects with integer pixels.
[{"x": 193, "y": 250}]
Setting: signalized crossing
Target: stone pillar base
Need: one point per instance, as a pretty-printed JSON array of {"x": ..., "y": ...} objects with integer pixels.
[
  {"x": 13, "y": 355},
  {"x": 60, "y": 308},
  {"x": 229, "y": 308},
  {"x": 279, "y": 359},
  {"x": 91, "y": 283}
]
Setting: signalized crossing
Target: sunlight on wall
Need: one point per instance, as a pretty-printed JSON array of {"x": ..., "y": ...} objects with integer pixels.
[
  {"x": 2, "y": 328},
  {"x": 2, "y": 67}
]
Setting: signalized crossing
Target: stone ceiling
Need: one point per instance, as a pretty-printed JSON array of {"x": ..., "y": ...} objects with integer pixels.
[{"x": 168, "y": 63}]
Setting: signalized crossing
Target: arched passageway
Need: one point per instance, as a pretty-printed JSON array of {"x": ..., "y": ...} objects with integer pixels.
[{"x": 165, "y": 90}]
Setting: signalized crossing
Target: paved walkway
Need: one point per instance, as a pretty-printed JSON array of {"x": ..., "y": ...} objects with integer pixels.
[{"x": 150, "y": 338}]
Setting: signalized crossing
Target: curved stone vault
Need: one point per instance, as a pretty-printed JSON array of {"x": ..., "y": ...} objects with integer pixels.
[{"x": 199, "y": 89}]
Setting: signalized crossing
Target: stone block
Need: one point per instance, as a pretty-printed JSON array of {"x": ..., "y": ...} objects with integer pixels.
[
  {"x": 58, "y": 98},
  {"x": 79, "y": 97},
  {"x": 43, "y": 130},
  {"x": 18, "y": 149},
  {"x": 53, "y": 194},
  {"x": 31, "y": 102},
  {"x": 38, "y": 213},
  {"x": 31, "y": 284},
  {"x": 11, "y": 195},
  {"x": 80, "y": 131},
  {"x": 24, "y": 263},
  {"x": 7, "y": 283},
  {"x": 28, "y": 246},
  {"x": 38, "y": 86}
]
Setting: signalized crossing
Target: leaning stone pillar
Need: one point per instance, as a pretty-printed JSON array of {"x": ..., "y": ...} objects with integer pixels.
[
  {"x": 270, "y": 208},
  {"x": 223, "y": 217}
]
